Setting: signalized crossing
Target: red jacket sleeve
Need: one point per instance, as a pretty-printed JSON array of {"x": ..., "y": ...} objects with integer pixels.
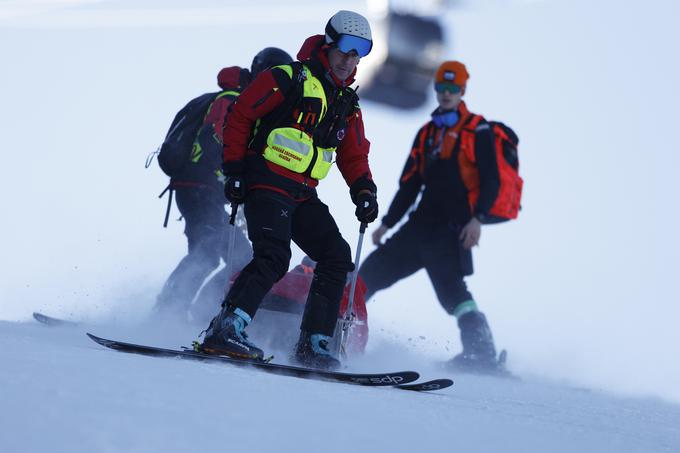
[
  {"x": 259, "y": 98},
  {"x": 352, "y": 156}
]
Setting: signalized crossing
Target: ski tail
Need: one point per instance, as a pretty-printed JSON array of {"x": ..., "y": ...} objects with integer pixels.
[{"x": 51, "y": 321}]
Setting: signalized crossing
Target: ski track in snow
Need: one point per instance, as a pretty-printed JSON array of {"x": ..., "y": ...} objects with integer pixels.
[{"x": 61, "y": 389}]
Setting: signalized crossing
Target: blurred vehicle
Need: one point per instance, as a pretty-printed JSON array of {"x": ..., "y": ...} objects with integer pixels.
[{"x": 408, "y": 49}]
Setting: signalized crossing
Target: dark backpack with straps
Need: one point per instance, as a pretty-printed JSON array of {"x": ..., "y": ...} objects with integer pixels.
[{"x": 175, "y": 152}]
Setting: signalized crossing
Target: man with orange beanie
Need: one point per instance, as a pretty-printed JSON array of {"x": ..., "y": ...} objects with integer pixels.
[{"x": 443, "y": 228}]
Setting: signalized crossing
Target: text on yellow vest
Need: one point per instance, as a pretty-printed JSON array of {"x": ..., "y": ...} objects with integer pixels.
[{"x": 294, "y": 148}]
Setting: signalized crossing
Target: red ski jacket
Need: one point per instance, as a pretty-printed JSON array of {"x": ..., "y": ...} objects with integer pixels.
[{"x": 263, "y": 96}]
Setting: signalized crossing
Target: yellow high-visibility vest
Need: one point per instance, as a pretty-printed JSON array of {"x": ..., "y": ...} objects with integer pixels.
[{"x": 294, "y": 148}]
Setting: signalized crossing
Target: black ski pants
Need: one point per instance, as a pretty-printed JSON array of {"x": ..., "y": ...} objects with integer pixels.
[
  {"x": 434, "y": 247},
  {"x": 274, "y": 220},
  {"x": 207, "y": 230}
]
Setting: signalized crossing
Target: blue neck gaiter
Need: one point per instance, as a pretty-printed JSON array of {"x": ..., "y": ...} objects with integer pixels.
[{"x": 445, "y": 119}]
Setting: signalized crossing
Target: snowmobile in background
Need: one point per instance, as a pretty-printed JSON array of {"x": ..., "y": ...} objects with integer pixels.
[{"x": 408, "y": 48}]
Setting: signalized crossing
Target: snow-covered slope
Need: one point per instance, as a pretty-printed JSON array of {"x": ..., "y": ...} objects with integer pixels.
[
  {"x": 581, "y": 289},
  {"x": 62, "y": 392}
]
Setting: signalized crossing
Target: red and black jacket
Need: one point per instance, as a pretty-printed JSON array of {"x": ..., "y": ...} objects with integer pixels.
[
  {"x": 434, "y": 167},
  {"x": 265, "y": 97}
]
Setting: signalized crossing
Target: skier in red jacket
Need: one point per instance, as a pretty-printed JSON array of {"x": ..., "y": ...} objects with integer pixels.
[{"x": 281, "y": 138}]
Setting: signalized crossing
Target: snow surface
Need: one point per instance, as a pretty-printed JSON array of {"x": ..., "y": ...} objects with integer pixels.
[
  {"x": 63, "y": 392},
  {"x": 581, "y": 289}
]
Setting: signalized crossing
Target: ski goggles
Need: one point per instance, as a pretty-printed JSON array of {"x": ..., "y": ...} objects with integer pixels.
[
  {"x": 447, "y": 86},
  {"x": 348, "y": 43}
]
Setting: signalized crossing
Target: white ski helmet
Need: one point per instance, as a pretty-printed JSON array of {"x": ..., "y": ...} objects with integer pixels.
[{"x": 349, "y": 31}]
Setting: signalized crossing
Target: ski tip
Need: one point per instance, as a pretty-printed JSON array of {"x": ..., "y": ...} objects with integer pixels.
[
  {"x": 412, "y": 375},
  {"x": 435, "y": 384},
  {"x": 503, "y": 357},
  {"x": 502, "y": 366},
  {"x": 98, "y": 340},
  {"x": 438, "y": 384}
]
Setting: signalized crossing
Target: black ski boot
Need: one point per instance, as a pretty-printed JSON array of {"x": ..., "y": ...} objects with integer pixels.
[
  {"x": 479, "y": 352},
  {"x": 312, "y": 351},
  {"x": 226, "y": 335}
]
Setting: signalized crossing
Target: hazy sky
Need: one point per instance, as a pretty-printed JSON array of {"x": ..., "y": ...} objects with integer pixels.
[{"x": 582, "y": 286}]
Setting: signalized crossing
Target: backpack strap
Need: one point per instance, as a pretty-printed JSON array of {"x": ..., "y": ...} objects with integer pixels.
[
  {"x": 292, "y": 96},
  {"x": 167, "y": 211},
  {"x": 471, "y": 122},
  {"x": 450, "y": 143},
  {"x": 418, "y": 152},
  {"x": 466, "y": 141},
  {"x": 295, "y": 92},
  {"x": 428, "y": 137},
  {"x": 345, "y": 104}
]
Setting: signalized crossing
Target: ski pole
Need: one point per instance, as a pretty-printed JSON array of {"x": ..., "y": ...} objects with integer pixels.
[
  {"x": 232, "y": 238},
  {"x": 349, "y": 316}
]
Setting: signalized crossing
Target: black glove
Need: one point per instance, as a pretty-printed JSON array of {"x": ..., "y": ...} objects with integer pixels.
[
  {"x": 367, "y": 207},
  {"x": 235, "y": 189}
]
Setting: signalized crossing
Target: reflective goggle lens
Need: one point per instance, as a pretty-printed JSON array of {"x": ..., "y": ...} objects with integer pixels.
[
  {"x": 445, "y": 86},
  {"x": 348, "y": 43}
]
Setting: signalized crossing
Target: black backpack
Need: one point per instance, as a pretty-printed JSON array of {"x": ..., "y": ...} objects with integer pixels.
[{"x": 175, "y": 152}]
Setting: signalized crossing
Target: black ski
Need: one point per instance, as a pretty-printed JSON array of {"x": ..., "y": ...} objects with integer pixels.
[
  {"x": 435, "y": 384},
  {"x": 52, "y": 322},
  {"x": 371, "y": 379}
]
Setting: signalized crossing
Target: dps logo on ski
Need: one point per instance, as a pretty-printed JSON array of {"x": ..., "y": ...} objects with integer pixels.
[{"x": 388, "y": 380}]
